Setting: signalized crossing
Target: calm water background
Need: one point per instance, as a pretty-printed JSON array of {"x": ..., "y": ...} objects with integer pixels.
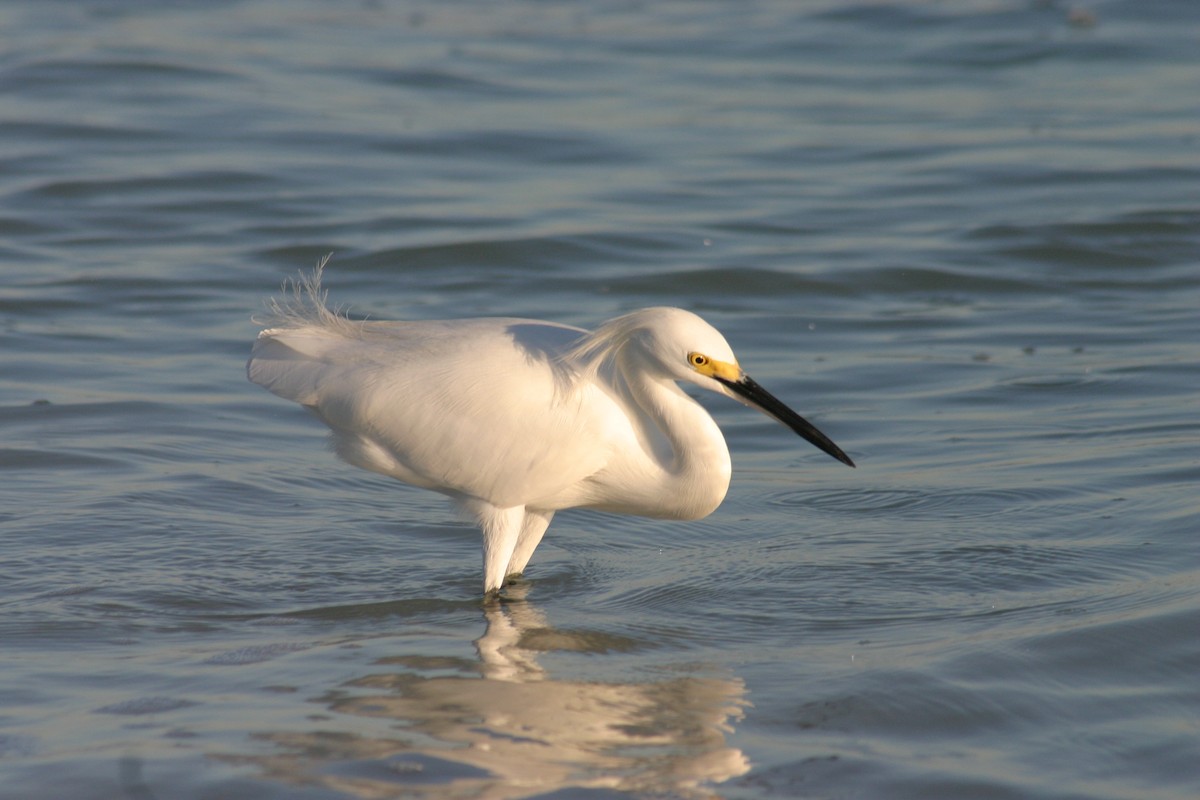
[{"x": 964, "y": 238}]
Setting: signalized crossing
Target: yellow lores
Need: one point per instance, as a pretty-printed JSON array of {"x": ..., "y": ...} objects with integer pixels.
[
  {"x": 715, "y": 369},
  {"x": 515, "y": 419}
]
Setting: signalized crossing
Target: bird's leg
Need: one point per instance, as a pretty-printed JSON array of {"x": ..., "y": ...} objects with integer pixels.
[
  {"x": 535, "y": 526},
  {"x": 501, "y": 529}
]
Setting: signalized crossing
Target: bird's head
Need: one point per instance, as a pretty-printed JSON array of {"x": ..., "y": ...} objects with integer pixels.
[{"x": 689, "y": 349}]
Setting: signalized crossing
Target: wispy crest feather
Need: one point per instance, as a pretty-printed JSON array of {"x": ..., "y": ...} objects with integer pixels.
[{"x": 599, "y": 347}]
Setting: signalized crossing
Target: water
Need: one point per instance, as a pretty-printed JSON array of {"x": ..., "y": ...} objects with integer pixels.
[{"x": 962, "y": 238}]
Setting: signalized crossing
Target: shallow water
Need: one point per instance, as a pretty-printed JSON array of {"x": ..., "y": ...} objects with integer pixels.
[{"x": 962, "y": 238}]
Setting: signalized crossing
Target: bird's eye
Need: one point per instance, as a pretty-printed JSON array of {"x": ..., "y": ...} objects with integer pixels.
[{"x": 698, "y": 359}]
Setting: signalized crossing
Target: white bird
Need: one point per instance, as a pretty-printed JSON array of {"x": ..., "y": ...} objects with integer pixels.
[{"x": 515, "y": 419}]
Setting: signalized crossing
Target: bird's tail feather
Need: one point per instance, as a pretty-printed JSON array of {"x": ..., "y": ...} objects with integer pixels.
[
  {"x": 289, "y": 357},
  {"x": 303, "y": 303}
]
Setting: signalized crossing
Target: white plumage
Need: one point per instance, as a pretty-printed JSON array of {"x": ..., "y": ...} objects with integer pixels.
[{"x": 516, "y": 419}]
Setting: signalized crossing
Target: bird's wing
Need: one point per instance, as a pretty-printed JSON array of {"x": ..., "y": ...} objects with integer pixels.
[{"x": 480, "y": 408}]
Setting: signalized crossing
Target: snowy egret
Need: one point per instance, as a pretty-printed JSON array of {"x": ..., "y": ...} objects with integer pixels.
[{"x": 515, "y": 419}]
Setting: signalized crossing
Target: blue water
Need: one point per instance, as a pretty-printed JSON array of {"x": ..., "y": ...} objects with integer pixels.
[{"x": 962, "y": 238}]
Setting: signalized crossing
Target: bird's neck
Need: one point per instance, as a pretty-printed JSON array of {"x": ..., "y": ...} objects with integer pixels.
[{"x": 684, "y": 444}]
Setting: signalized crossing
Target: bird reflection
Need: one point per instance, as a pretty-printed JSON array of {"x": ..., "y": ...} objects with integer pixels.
[{"x": 520, "y": 732}]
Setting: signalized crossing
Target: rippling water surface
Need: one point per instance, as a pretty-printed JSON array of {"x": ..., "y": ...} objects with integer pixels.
[{"x": 961, "y": 237}]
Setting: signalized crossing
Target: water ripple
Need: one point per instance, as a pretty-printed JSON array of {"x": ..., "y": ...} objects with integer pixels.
[
  {"x": 255, "y": 654},
  {"x": 922, "y": 503},
  {"x": 141, "y": 706}
]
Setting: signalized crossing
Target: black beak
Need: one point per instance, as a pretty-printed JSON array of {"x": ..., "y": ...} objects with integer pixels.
[{"x": 755, "y": 396}]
